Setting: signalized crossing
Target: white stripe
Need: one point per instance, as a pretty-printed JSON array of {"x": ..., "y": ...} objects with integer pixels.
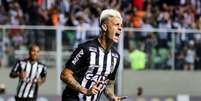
[
  {"x": 16, "y": 67},
  {"x": 88, "y": 98},
  {"x": 23, "y": 64},
  {"x": 93, "y": 58},
  {"x": 101, "y": 59}
]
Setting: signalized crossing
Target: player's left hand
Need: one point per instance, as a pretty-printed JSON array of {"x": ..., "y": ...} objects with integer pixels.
[
  {"x": 39, "y": 81},
  {"x": 119, "y": 98}
]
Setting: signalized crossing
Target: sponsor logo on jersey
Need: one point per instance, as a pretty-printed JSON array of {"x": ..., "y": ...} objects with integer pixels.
[
  {"x": 78, "y": 56},
  {"x": 95, "y": 78}
]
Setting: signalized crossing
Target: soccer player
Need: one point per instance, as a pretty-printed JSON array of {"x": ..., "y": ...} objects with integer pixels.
[
  {"x": 92, "y": 67},
  {"x": 31, "y": 74}
]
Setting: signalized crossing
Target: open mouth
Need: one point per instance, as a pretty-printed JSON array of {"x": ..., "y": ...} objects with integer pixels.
[{"x": 117, "y": 34}]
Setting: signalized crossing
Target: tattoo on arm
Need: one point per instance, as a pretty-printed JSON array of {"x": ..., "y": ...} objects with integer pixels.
[
  {"x": 109, "y": 90},
  {"x": 67, "y": 77}
]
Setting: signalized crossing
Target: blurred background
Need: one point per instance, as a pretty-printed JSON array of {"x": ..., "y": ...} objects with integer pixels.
[{"x": 160, "y": 44}]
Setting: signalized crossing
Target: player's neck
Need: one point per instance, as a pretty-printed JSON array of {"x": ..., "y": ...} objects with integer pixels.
[
  {"x": 105, "y": 42},
  {"x": 32, "y": 61}
]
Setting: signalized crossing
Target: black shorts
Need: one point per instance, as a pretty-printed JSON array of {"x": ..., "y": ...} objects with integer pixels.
[
  {"x": 66, "y": 97},
  {"x": 25, "y": 99},
  {"x": 69, "y": 99}
]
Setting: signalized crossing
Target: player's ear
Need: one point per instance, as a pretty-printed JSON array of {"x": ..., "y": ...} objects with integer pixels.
[{"x": 104, "y": 27}]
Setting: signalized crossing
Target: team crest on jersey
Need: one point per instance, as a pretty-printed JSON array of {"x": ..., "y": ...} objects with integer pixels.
[
  {"x": 40, "y": 66},
  {"x": 115, "y": 55},
  {"x": 93, "y": 49}
]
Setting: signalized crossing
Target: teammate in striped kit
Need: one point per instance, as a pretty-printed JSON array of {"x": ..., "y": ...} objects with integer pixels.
[
  {"x": 31, "y": 73},
  {"x": 91, "y": 69}
]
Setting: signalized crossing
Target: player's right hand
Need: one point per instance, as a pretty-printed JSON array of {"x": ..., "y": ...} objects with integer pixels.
[{"x": 22, "y": 75}]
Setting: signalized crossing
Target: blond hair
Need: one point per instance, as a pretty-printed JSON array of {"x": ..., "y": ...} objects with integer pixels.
[{"x": 109, "y": 13}]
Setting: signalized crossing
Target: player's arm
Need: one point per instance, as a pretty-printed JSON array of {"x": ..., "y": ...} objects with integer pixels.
[
  {"x": 109, "y": 92},
  {"x": 43, "y": 76},
  {"x": 41, "y": 80},
  {"x": 15, "y": 72},
  {"x": 67, "y": 77}
]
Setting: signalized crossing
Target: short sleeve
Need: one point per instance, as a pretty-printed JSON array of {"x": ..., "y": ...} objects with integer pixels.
[
  {"x": 16, "y": 67},
  {"x": 76, "y": 58},
  {"x": 44, "y": 72}
]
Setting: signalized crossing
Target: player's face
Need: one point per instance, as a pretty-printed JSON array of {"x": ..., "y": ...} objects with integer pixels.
[
  {"x": 114, "y": 28},
  {"x": 34, "y": 53}
]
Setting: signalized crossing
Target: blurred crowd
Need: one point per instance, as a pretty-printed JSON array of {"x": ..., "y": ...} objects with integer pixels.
[{"x": 155, "y": 48}]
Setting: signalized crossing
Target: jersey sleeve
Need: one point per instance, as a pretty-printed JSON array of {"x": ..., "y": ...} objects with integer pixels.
[
  {"x": 44, "y": 72},
  {"x": 113, "y": 74},
  {"x": 16, "y": 68},
  {"x": 76, "y": 58}
]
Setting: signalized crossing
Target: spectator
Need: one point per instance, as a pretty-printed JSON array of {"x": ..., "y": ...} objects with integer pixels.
[
  {"x": 189, "y": 56},
  {"x": 137, "y": 58}
]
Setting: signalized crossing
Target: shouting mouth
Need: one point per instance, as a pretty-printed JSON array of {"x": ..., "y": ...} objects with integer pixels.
[{"x": 117, "y": 34}]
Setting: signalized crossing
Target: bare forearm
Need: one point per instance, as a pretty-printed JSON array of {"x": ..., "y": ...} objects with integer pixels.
[
  {"x": 41, "y": 81},
  {"x": 109, "y": 90},
  {"x": 71, "y": 82}
]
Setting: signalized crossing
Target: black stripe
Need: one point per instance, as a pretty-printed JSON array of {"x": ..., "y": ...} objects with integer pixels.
[
  {"x": 112, "y": 63},
  {"x": 19, "y": 86},
  {"x": 104, "y": 64}
]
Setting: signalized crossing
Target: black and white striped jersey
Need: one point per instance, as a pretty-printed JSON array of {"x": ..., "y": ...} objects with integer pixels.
[
  {"x": 27, "y": 87},
  {"x": 91, "y": 63}
]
